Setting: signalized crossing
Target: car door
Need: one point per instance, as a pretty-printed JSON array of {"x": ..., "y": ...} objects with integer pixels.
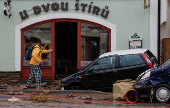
[
  {"x": 102, "y": 74},
  {"x": 130, "y": 66}
]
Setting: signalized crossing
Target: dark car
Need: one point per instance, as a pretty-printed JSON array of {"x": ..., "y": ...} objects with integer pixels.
[
  {"x": 104, "y": 71},
  {"x": 155, "y": 83}
]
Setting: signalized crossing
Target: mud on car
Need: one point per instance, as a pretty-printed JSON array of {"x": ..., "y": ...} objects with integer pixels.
[
  {"x": 155, "y": 83},
  {"x": 105, "y": 70}
]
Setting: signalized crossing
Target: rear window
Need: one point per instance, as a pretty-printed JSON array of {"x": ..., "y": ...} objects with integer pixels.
[
  {"x": 131, "y": 60},
  {"x": 151, "y": 57}
]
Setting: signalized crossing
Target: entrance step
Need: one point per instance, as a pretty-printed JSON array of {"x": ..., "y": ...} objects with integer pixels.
[
  {"x": 56, "y": 82},
  {"x": 53, "y": 85},
  {"x": 43, "y": 84}
]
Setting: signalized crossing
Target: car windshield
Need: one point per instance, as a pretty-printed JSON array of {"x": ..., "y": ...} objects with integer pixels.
[{"x": 166, "y": 63}]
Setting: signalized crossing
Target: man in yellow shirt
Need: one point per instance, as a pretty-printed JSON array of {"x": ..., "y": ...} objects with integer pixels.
[{"x": 35, "y": 65}]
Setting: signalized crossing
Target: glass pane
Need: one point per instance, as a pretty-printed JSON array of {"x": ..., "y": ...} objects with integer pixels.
[
  {"x": 94, "y": 42},
  {"x": 130, "y": 60},
  {"x": 151, "y": 57},
  {"x": 105, "y": 63},
  {"x": 36, "y": 35}
]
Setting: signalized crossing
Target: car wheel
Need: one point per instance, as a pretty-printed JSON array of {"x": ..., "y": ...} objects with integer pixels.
[
  {"x": 75, "y": 87},
  {"x": 162, "y": 93}
]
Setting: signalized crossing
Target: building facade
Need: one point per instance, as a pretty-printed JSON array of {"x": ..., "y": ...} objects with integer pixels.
[{"x": 78, "y": 31}]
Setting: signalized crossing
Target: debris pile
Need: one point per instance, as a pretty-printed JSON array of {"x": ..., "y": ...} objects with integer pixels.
[
  {"x": 85, "y": 97},
  {"x": 14, "y": 93},
  {"x": 14, "y": 99},
  {"x": 36, "y": 98},
  {"x": 55, "y": 85},
  {"x": 120, "y": 88},
  {"x": 9, "y": 80}
]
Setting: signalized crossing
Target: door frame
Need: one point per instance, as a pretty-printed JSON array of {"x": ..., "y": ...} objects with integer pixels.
[
  {"x": 79, "y": 35},
  {"x": 22, "y": 55},
  {"x": 52, "y": 67}
]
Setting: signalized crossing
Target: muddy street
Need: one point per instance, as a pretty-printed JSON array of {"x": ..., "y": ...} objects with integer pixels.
[{"x": 29, "y": 104}]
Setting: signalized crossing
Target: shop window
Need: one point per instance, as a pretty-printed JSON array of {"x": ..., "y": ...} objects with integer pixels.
[
  {"x": 36, "y": 35},
  {"x": 94, "y": 42}
]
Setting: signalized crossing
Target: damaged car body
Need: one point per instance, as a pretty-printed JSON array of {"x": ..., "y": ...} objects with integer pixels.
[
  {"x": 155, "y": 83},
  {"x": 105, "y": 70}
]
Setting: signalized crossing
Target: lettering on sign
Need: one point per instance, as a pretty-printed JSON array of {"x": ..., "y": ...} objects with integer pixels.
[
  {"x": 90, "y": 8},
  {"x": 85, "y": 63}
]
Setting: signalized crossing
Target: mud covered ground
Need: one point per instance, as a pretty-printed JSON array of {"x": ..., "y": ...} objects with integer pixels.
[
  {"x": 29, "y": 104},
  {"x": 62, "y": 102}
]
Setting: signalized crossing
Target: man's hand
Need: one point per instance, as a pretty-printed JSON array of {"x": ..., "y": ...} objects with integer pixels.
[
  {"x": 50, "y": 50},
  {"x": 40, "y": 61}
]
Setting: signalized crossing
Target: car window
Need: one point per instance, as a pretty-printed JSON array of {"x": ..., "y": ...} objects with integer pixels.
[
  {"x": 151, "y": 57},
  {"x": 130, "y": 60},
  {"x": 83, "y": 68},
  {"x": 166, "y": 63},
  {"x": 104, "y": 63}
]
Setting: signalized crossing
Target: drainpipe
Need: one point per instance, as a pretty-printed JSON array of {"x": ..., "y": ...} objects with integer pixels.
[{"x": 159, "y": 23}]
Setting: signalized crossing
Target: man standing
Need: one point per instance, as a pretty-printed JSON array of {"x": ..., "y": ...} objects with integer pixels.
[{"x": 35, "y": 63}]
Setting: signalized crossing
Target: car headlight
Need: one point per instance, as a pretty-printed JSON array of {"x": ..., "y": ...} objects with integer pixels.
[
  {"x": 139, "y": 77},
  {"x": 146, "y": 75}
]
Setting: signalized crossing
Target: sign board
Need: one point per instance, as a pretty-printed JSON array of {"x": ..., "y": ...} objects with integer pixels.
[
  {"x": 146, "y": 4},
  {"x": 85, "y": 63},
  {"x": 84, "y": 7},
  {"x": 135, "y": 41}
]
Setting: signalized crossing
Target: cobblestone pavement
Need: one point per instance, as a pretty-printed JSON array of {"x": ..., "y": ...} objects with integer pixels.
[{"x": 29, "y": 104}]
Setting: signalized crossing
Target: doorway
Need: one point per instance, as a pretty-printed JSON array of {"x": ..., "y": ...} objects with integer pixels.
[{"x": 65, "y": 48}]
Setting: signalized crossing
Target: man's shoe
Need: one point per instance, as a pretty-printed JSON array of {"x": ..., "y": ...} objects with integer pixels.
[{"x": 26, "y": 87}]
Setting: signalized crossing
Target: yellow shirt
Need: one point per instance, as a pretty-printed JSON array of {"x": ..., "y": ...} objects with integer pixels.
[{"x": 36, "y": 55}]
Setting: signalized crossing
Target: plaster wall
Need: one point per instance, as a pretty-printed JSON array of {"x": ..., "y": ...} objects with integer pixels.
[{"x": 126, "y": 17}]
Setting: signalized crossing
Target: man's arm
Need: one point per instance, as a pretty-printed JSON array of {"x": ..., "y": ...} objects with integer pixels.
[{"x": 47, "y": 51}]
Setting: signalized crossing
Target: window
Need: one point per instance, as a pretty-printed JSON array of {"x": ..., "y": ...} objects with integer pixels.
[
  {"x": 94, "y": 42},
  {"x": 151, "y": 57},
  {"x": 36, "y": 35},
  {"x": 105, "y": 63},
  {"x": 130, "y": 60}
]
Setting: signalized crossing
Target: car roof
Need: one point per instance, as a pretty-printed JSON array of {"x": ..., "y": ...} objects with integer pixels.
[{"x": 124, "y": 52}]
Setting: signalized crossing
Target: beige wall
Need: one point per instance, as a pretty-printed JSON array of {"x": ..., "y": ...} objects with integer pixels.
[
  {"x": 163, "y": 30},
  {"x": 163, "y": 34}
]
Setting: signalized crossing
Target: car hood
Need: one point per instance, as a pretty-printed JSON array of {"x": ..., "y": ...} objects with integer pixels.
[
  {"x": 152, "y": 70},
  {"x": 73, "y": 75},
  {"x": 156, "y": 71}
]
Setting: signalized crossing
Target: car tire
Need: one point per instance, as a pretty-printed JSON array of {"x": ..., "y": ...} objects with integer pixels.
[
  {"x": 75, "y": 87},
  {"x": 162, "y": 93}
]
